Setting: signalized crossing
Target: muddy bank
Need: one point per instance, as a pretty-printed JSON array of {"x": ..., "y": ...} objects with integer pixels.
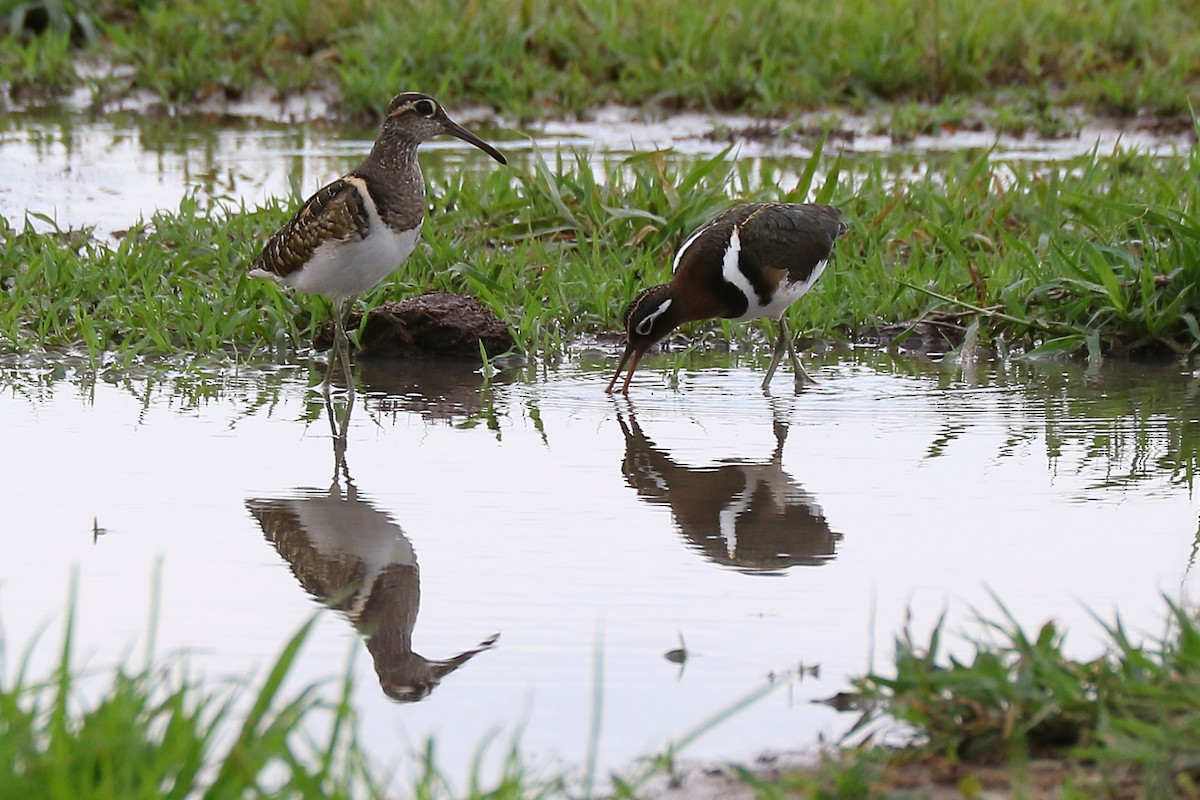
[{"x": 430, "y": 325}]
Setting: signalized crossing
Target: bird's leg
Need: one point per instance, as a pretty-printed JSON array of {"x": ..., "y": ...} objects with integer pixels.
[
  {"x": 781, "y": 342},
  {"x": 784, "y": 342},
  {"x": 802, "y": 376},
  {"x": 346, "y": 349},
  {"x": 338, "y": 336},
  {"x": 341, "y": 347}
]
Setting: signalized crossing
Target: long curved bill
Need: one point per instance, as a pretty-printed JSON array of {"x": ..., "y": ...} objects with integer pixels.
[
  {"x": 456, "y": 130},
  {"x": 630, "y": 351}
]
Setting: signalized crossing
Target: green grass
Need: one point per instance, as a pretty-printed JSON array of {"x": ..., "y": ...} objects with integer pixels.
[
  {"x": 539, "y": 58},
  {"x": 155, "y": 732},
  {"x": 1124, "y": 724},
  {"x": 1132, "y": 712},
  {"x": 1045, "y": 255},
  {"x": 157, "y": 291}
]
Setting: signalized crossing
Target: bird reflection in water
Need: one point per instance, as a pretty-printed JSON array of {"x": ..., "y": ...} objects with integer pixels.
[
  {"x": 352, "y": 557},
  {"x": 745, "y": 514}
]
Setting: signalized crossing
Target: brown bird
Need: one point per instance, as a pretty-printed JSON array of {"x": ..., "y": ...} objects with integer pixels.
[
  {"x": 751, "y": 261},
  {"x": 356, "y": 231}
]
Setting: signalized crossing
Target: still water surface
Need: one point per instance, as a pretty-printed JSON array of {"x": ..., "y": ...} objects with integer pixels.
[{"x": 770, "y": 532}]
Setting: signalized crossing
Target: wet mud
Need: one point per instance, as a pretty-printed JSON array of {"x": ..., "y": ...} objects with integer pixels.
[{"x": 430, "y": 325}]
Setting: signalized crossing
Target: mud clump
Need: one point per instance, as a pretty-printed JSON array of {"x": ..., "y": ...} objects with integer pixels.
[{"x": 431, "y": 325}]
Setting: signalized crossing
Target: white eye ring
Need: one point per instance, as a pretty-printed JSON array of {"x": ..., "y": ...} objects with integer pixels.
[{"x": 644, "y": 327}]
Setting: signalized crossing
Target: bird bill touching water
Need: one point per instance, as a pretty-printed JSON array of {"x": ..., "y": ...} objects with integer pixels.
[
  {"x": 359, "y": 229},
  {"x": 750, "y": 261}
]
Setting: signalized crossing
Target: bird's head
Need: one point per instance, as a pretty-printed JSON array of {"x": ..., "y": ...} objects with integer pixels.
[
  {"x": 417, "y": 117},
  {"x": 652, "y": 315}
]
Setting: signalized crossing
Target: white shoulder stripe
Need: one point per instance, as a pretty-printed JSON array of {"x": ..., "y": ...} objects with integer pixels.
[
  {"x": 368, "y": 202},
  {"x": 731, "y": 268}
]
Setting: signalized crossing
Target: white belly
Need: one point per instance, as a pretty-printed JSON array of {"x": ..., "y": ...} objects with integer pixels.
[{"x": 343, "y": 269}]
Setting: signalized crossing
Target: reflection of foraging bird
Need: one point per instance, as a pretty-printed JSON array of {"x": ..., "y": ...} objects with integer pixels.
[
  {"x": 356, "y": 231},
  {"x": 751, "y": 261},
  {"x": 745, "y": 514}
]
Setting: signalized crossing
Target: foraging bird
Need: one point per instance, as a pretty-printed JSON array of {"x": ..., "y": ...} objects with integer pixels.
[
  {"x": 751, "y": 261},
  {"x": 356, "y": 231}
]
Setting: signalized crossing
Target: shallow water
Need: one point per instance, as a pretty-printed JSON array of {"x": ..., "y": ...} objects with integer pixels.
[
  {"x": 772, "y": 533},
  {"x": 108, "y": 172}
]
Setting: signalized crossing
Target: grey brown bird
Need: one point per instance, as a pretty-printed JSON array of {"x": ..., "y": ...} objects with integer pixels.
[
  {"x": 751, "y": 261},
  {"x": 356, "y": 231}
]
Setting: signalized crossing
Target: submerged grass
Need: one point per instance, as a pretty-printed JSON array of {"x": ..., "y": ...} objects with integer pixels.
[
  {"x": 1098, "y": 254},
  {"x": 537, "y": 57}
]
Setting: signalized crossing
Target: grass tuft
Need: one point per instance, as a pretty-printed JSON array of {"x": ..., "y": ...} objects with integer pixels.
[
  {"x": 1134, "y": 710},
  {"x": 155, "y": 732},
  {"x": 1125, "y": 724}
]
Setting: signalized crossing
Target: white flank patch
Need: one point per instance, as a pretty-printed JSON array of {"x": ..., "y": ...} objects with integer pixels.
[
  {"x": 727, "y": 520},
  {"x": 731, "y": 270},
  {"x": 262, "y": 273},
  {"x": 344, "y": 269}
]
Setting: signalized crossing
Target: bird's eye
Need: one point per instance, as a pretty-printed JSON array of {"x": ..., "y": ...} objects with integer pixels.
[
  {"x": 645, "y": 326},
  {"x": 424, "y": 107}
]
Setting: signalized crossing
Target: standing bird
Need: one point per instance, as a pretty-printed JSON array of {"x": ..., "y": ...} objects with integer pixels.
[
  {"x": 751, "y": 261},
  {"x": 356, "y": 231}
]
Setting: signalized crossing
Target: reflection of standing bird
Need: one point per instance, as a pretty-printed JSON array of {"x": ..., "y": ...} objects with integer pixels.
[
  {"x": 743, "y": 514},
  {"x": 356, "y": 231},
  {"x": 751, "y": 261},
  {"x": 353, "y": 557}
]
